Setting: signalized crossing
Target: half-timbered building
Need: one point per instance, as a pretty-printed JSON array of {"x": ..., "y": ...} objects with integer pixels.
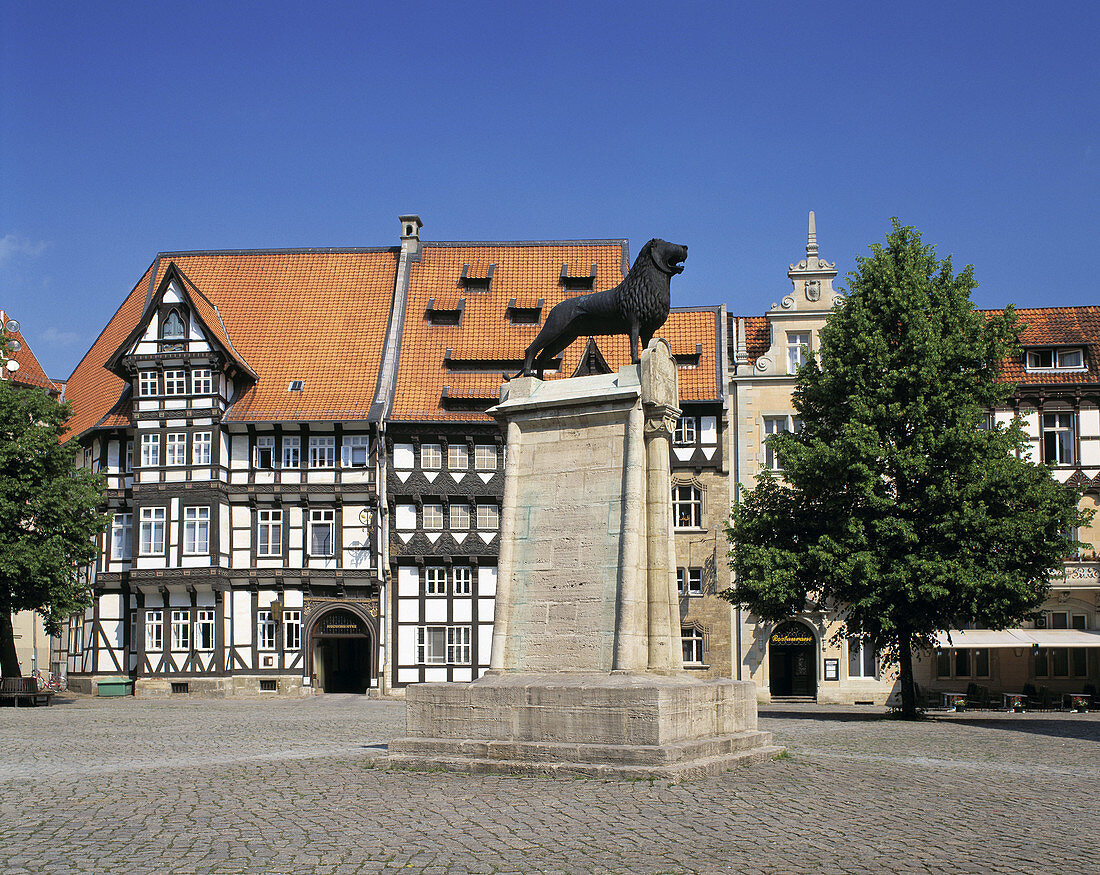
[
  {"x": 304, "y": 483},
  {"x": 229, "y": 405},
  {"x": 471, "y": 310}
]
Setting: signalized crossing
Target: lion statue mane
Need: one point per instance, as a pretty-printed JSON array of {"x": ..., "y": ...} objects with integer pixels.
[{"x": 637, "y": 306}]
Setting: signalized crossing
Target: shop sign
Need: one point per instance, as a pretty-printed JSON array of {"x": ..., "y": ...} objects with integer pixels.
[
  {"x": 791, "y": 636},
  {"x": 832, "y": 669}
]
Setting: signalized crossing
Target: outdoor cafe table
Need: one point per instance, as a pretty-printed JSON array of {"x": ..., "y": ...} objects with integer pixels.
[
  {"x": 949, "y": 699},
  {"x": 1011, "y": 700},
  {"x": 1067, "y": 699}
]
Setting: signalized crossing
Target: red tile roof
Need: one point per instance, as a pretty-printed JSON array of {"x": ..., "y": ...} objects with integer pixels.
[
  {"x": 30, "y": 372},
  {"x": 314, "y": 315},
  {"x": 487, "y": 341},
  {"x": 1057, "y": 327}
]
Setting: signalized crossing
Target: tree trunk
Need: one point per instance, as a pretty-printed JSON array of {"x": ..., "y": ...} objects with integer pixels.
[
  {"x": 908, "y": 689},
  {"x": 9, "y": 660}
]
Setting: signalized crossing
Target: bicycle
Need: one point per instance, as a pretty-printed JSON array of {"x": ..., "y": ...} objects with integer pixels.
[{"x": 52, "y": 683}]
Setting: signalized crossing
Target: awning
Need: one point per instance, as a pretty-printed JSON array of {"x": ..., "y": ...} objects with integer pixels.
[{"x": 1019, "y": 638}]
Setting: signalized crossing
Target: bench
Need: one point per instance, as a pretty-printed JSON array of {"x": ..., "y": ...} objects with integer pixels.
[{"x": 24, "y": 690}]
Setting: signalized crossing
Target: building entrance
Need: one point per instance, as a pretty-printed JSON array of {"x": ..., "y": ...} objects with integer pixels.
[
  {"x": 343, "y": 653},
  {"x": 792, "y": 665}
]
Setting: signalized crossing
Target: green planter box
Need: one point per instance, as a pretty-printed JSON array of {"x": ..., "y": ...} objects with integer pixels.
[{"x": 115, "y": 687}]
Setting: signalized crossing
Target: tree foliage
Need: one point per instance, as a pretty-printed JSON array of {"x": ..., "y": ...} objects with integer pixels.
[
  {"x": 48, "y": 515},
  {"x": 894, "y": 505}
]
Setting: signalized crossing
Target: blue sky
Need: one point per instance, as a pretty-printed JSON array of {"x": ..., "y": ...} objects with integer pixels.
[{"x": 129, "y": 129}]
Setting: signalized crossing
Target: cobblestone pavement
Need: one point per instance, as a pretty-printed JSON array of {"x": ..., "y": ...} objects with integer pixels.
[{"x": 124, "y": 785}]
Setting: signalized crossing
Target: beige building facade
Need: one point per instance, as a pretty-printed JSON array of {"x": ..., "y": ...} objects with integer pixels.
[{"x": 808, "y": 657}]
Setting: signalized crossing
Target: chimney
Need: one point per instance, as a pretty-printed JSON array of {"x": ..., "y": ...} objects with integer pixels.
[{"x": 410, "y": 233}]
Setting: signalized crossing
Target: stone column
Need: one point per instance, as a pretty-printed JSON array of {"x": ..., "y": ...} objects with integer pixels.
[
  {"x": 630, "y": 620},
  {"x": 502, "y": 610},
  {"x": 660, "y": 401},
  {"x": 663, "y": 609}
]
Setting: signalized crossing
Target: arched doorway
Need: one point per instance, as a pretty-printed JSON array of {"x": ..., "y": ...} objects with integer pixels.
[
  {"x": 792, "y": 661},
  {"x": 342, "y": 646}
]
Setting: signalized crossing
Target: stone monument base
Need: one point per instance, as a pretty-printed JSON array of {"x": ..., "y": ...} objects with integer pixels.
[{"x": 616, "y": 725}]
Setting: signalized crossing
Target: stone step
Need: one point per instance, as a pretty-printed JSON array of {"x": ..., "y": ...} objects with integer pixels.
[
  {"x": 700, "y": 768},
  {"x": 619, "y": 755}
]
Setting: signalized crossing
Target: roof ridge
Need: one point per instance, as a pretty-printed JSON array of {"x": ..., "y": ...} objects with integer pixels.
[
  {"x": 486, "y": 243},
  {"x": 294, "y": 250}
]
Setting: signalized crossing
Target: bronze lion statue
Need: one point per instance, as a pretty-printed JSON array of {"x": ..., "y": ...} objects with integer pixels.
[{"x": 637, "y": 306}]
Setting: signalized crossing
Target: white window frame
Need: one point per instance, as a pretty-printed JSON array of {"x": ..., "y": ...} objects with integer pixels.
[
  {"x": 458, "y": 645},
  {"x": 263, "y": 453},
  {"x": 689, "y": 581},
  {"x": 433, "y": 517},
  {"x": 355, "y": 451},
  {"x": 175, "y": 448},
  {"x": 269, "y": 522},
  {"x": 148, "y": 384},
  {"x": 687, "y": 497},
  {"x": 292, "y": 630},
  {"x": 686, "y": 431},
  {"x": 202, "y": 381},
  {"x": 693, "y": 643},
  {"x": 458, "y": 457},
  {"x": 798, "y": 342},
  {"x": 153, "y": 521},
  {"x": 154, "y": 631},
  {"x": 488, "y": 517},
  {"x": 122, "y": 536},
  {"x": 461, "y": 523},
  {"x": 1062, "y": 450},
  {"x": 292, "y": 451},
  {"x": 321, "y": 518},
  {"x": 196, "y": 531},
  {"x": 773, "y": 425},
  {"x": 205, "y": 628},
  {"x": 128, "y": 463},
  {"x": 431, "y": 645},
  {"x": 859, "y": 652},
  {"x": 322, "y": 451},
  {"x": 181, "y": 631},
  {"x": 485, "y": 457},
  {"x": 431, "y": 457},
  {"x": 462, "y": 580},
  {"x": 175, "y": 382},
  {"x": 435, "y": 580},
  {"x": 150, "y": 450},
  {"x": 266, "y": 638},
  {"x": 1058, "y": 359},
  {"x": 200, "y": 448}
]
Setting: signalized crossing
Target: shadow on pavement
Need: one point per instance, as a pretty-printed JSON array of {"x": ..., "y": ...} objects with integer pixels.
[
  {"x": 826, "y": 715},
  {"x": 1081, "y": 730}
]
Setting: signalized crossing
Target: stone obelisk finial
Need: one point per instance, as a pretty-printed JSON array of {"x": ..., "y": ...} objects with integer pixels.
[{"x": 811, "y": 240}]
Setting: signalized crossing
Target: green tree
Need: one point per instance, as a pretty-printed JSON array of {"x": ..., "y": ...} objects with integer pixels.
[
  {"x": 48, "y": 515},
  {"x": 894, "y": 505}
]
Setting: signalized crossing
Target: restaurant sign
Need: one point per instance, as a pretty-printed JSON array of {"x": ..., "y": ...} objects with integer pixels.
[{"x": 791, "y": 635}]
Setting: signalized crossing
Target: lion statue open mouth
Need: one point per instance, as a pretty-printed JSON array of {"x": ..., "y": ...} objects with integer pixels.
[{"x": 637, "y": 306}]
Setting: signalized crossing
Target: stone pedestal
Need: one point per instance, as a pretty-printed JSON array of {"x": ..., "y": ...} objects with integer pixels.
[{"x": 587, "y": 668}]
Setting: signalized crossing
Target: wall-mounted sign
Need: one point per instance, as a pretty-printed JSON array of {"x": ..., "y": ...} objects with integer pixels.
[
  {"x": 832, "y": 669},
  {"x": 791, "y": 635}
]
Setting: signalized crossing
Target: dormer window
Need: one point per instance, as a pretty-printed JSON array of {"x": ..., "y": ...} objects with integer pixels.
[
  {"x": 1067, "y": 359},
  {"x": 521, "y": 314},
  {"x": 478, "y": 279},
  {"x": 441, "y": 313},
  {"x": 577, "y": 282}
]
